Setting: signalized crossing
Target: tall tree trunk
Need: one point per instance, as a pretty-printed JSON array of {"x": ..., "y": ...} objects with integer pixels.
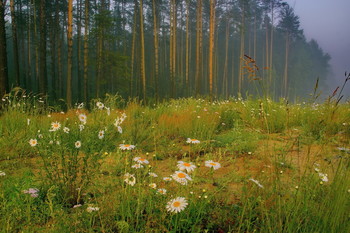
[
  {"x": 224, "y": 79},
  {"x": 86, "y": 51},
  {"x": 156, "y": 50},
  {"x": 240, "y": 77},
  {"x": 15, "y": 42},
  {"x": 211, "y": 45},
  {"x": 3, "y": 54},
  {"x": 29, "y": 44},
  {"x": 143, "y": 72},
  {"x": 70, "y": 52},
  {"x": 187, "y": 45},
  {"x": 285, "y": 79},
  {"x": 42, "y": 72},
  {"x": 133, "y": 49},
  {"x": 172, "y": 58},
  {"x": 79, "y": 12},
  {"x": 271, "y": 38},
  {"x": 199, "y": 48},
  {"x": 36, "y": 43}
]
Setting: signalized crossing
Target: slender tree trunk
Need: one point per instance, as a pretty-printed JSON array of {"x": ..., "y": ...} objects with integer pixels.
[
  {"x": 156, "y": 50},
  {"x": 36, "y": 43},
  {"x": 285, "y": 79},
  {"x": 143, "y": 72},
  {"x": 42, "y": 72},
  {"x": 224, "y": 79},
  {"x": 271, "y": 38},
  {"x": 15, "y": 42},
  {"x": 199, "y": 48},
  {"x": 79, "y": 12},
  {"x": 240, "y": 77},
  {"x": 3, "y": 54},
  {"x": 187, "y": 46},
  {"x": 29, "y": 44},
  {"x": 211, "y": 45},
  {"x": 86, "y": 51},
  {"x": 133, "y": 49},
  {"x": 70, "y": 53}
]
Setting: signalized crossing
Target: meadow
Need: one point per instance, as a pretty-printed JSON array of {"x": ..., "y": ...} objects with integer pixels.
[{"x": 186, "y": 165}]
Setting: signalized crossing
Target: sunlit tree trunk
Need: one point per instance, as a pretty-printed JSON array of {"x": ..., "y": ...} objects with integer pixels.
[
  {"x": 133, "y": 49},
  {"x": 70, "y": 52},
  {"x": 79, "y": 13},
  {"x": 143, "y": 72},
  {"x": 242, "y": 28},
  {"x": 285, "y": 77},
  {"x": 86, "y": 50},
  {"x": 198, "y": 77},
  {"x": 3, "y": 53},
  {"x": 156, "y": 50},
  {"x": 211, "y": 45},
  {"x": 29, "y": 43},
  {"x": 187, "y": 45},
  {"x": 225, "y": 78},
  {"x": 15, "y": 42},
  {"x": 36, "y": 45},
  {"x": 42, "y": 72}
]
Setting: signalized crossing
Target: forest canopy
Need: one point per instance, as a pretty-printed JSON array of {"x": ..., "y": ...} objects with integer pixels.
[{"x": 155, "y": 49}]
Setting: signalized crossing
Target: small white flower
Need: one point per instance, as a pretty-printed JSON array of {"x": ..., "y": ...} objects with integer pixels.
[
  {"x": 141, "y": 160},
  {"x": 81, "y": 127},
  {"x": 77, "y": 144},
  {"x": 189, "y": 167},
  {"x": 91, "y": 209},
  {"x": 101, "y": 134},
  {"x": 66, "y": 129},
  {"x": 33, "y": 142},
  {"x": 28, "y": 121},
  {"x": 80, "y": 106},
  {"x": 181, "y": 177},
  {"x": 34, "y": 192},
  {"x": 153, "y": 185},
  {"x": 324, "y": 177},
  {"x": 78, "y": 205},
  {"x": 167, "y": 179},
  {"x": 129, "y": 179},
  {"x": 55, "y": 126},
  {"x": 2, "y": 173},
  {"x": 162, "y": 191},
  {"x": 120, "y": 130},
  {"x": 152, "y": 174},
  {"x": 193, "y": 141},
  {"x": 82, "y": 118},
  {"x": 214, "y": 165},
  {"x": 100, "y": 105},
  {"x": 126, "y": 147},
  {"x": 137, "y": 166},
  {"x": 176, "y": 205}
]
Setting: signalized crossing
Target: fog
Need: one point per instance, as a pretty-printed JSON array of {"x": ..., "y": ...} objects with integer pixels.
[{"x": 327, "y": 21}]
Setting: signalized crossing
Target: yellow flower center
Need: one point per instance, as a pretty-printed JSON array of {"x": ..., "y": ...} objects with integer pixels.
[
  {"x": 176, "y": 204},
  {"x": 193, "y": 140},
  {"x": 127, "y": 145},
  {"x": 187, "y": 164},
  {"x": 213, "y": 164},
  {"x": 142, "y": 160},
  {"x": 181, "y": 175}
]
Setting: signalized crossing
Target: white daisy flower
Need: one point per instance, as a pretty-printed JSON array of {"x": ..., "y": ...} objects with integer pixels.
[
  {"x": 80, "y": 106},
  {"x": 137, "y": 166},
  {"x": 82, "y": 118},
  {"x": 126, "y": 147},
  {"x": 181, "y": 177},
  {"x": 167, "y": 179},
  {"x": 193, "y": 141},
  {"x": 324, "y": 177},
  {"x": 189, "y": 167},
  {"x": 176, "y": 205},
  {"x": 81, "y": 127},
  {"x": 2, "y": 173},
  {"x": 162, "y": 191},
  {"x": 33, "y": 142},
  {"x": 152, "y": 174},
  {"x": 214, "y": 165},
  {"x": 100, "y": 105},
  {"x": 120, "y": 130},
  {"x": 101, "y": 134},
  {"x": 91, "y": 209},
  {"x": 55, "y": 126},
  {"x": 129, "y": 179},
  {"x": 153, "y": 185},
  {"x": 66, "y": 129},
  {"x": 77, "y": 144},
  {"x": 141, "y": 160}
]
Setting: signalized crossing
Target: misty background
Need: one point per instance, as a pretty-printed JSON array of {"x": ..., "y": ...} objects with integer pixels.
[{"x": 327, "y": 22}]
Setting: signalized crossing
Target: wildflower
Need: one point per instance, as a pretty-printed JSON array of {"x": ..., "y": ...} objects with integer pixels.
[
  {"x": 324, "y": 177},
  {"x": 126, "y": 147},
  {"x": 100, "y": 105},
  {"x": 76, "y": 206},
  {"x": 101, "y": 134},
  {"x": 152, "y": 174},
  {"x": 55, "y": 126},
  {"x": 257, "y": 183},
  {"x": 181, "y": 177},
  {"x": 176, "y": 205},
  {"x": 193, "y": 141},
  {"x": 162, "y": 191},
  {"x": 82, "y": 118},
  {"x": 120, "y": 130},
  {"x": 137, "y": 166},
  {"x": 91, "y": 209},
  {"x": 81, "y": 127},
  {"x": 130, "y": 179},
  {"x": 58, "y": 142},
  {"x": 108, "y": 111},
  {"x": 214, "y": 165},
  {"x": 28, "y": 121},
  {"x": 153, "y": 185},
  {"x": 77, "y": 144},
  {"x": 2, "y": 173},
  {"x": 189, "y": 167},
  {"x": 33, "y": 142},
  {"x": 141, "y": 160},
  {"x": 66, "y": 129},
  {"x": 167, "y": 178},
  {"x": 80, "y": 106},
  {"x": 32, "y": 191},
  {"x": 40, "y": 136}
]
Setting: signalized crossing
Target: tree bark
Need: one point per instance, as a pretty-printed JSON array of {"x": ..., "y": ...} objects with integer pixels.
[
  {"x": 86, "y": 50},
  {"x": 3, "y": 53},
  {"x": 42, "y": 71},
  {"x": 211, "y": 45},
  {"x": 70, "y": 52},
  {"x": 15, "y": 43},
  {"x": 143, "y": 72},
  {"x": 198, "y": 76}
]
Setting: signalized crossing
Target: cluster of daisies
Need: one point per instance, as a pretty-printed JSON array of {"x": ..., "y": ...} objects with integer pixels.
[{"x": 182, "y": 176}]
